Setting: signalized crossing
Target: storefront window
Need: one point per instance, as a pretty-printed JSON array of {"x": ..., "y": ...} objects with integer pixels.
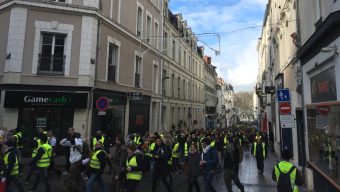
[
  {"x": 324, "y": 138},
  {"x": 56, "y": 119}
]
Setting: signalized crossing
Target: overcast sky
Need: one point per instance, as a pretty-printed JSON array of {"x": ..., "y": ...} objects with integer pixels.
[{"x": 238, "y": 22}]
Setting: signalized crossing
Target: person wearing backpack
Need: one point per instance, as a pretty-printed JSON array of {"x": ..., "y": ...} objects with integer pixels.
[
  {"x": 287, "y": 176},
  {"x": 208, "y": 163},
  {"x": 231, "y": 165}
]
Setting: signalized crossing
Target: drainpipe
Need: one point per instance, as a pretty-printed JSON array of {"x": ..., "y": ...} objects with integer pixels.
[
  {"x": 89, "y": 115},
  {"x": 305, "y": 135}
]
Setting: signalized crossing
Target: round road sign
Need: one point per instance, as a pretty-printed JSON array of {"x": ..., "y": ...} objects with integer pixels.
[
  {"x": 102, "y": 103},
  {"x": 285, "y": 108}
]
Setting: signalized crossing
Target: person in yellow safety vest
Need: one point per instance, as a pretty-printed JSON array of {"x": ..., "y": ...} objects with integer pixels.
[
  {"x": 99, "y": 137},
  {"x": 260, "y": 153},
  {"x": 225, "y": 142},
  {"x": 167, "y": 144},
  {"x": 213, "y": 143},
  {"x": 42, "y": 161},
  {"x": 134, "y": 167},
  {"x": 36, "y": 145},
  {"x": 11, "y": 168},
  {"x": 96, "y": 168},
  {"x": 18, "y": 138},
  {"x": 175, "y": 157},
  {"x": 137, "y": 139},
  {"x": 287, "y": 176}
]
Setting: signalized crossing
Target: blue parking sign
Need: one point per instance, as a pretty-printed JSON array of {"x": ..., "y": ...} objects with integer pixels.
[{"x": 283, "y": 95}]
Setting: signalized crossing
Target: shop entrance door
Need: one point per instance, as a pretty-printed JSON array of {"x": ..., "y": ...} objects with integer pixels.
[{"x": 56, "y": 119}]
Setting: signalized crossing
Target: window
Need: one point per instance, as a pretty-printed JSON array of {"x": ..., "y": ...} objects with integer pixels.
[
  {"x": 112, "y": 62},
  {"x": 165, "y": 41},
  {"x": 51, "y": 57},
  {"x": 155, "y": 79},
  {"x": 174, "y": 49},
  {"x": 185, "y": 59},
  {"x": 179, "y": 87},
  {"x": 164, "y": 83},
  {"x": 183, "y": 87},
  {"x": 180, "y": 55},
  {"x": 138, "y": 70},
  {"x": 156, "y": 35},
  {"x": 173, "y": 85},
  {"x": 139, "y": 21},
  {"x": 148, "y": 28}
]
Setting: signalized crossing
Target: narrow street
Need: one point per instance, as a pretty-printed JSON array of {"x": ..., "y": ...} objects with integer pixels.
[{"x": 249, "y": 176}]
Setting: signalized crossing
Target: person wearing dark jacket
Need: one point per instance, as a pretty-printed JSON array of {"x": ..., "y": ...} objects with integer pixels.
[
  {"x": 42, "y": 161},
  {"x": 259, "y": 151},
  {"x": 231, "y": 165},
  {"x": 209, "y": 162},
  {"x": 96, "y": 168},
  {"x": 161, "y": 156},
  {"x": 119, "y": 164},
  {"x": 134, "y": 167},
  {"x": 11, "y": 168},
  {"x": 194, "y": 170}
]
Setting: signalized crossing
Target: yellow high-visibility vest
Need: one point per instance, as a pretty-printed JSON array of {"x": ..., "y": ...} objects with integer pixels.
[
  {"x": 15, "y": 170},
  {"x": 175, "y": 152},
  {"x": 150, "y": 149},
  {"x": 212, "y": 144},
  {"x": 285, "y": 166},
  {"x": 136, "y": 140},
  {"x": 186, "y": 152},
  {"x": 18, "y": 136},
  {"x": 133, "y": 175},
  {"x": 94, "y": 141},
  {"x": 35, "y": 150},
  {"x": 94, "y": 163},
  {"x": 45, "y": 159},
  {"x": 263, "y": 151}
]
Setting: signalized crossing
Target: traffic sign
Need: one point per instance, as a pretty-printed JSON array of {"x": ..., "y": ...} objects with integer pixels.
[
  {"x": 283, "y": 95},
  {"x": 287, "y": 121},
  {"x": 102, "y": 103},
  {"x": 285, "y": 108}
]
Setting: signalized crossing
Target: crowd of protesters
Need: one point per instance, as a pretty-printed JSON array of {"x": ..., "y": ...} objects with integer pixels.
[{"x": 195, "y": 153}]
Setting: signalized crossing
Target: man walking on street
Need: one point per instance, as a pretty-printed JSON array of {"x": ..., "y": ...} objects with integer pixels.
[
  {"x": 287, "y": 176},
  {"x": 96, "y": 169},
  {"x": 231, "y": 165},
  {"x": 209, "y": 162},
  {"x": 161, "y": 155},
  {"x": 260, "y": 153},
  {"x": 11, "y": 171},
  {"x": 42, "y": 160}
]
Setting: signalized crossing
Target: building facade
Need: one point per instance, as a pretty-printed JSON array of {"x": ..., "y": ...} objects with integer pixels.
[
  {"x": 277, "y": 49},
  {"x": 298, "y": 52},
  {"x": 183, "y": 76},
  {"x": 211, "y": 99},
  {"x": 320, "y": 69},
  {"x": 81, "y": 63}
]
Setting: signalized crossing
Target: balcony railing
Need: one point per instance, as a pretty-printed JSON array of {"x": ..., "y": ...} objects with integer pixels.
[
  {"x": 50, "y": 65},
  {"x": 137, "y": 80}
]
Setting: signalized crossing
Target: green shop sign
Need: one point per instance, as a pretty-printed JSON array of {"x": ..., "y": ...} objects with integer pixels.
[{"x": 16, "y": 99}]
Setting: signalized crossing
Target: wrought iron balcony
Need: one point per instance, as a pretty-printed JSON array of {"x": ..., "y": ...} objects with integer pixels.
[{"x": 51, "y": 65}]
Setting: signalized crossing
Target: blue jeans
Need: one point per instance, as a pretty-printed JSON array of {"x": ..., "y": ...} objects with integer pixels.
[
  {"x": 92, "y": 179},
  {"x": 207, "y": 181}
]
